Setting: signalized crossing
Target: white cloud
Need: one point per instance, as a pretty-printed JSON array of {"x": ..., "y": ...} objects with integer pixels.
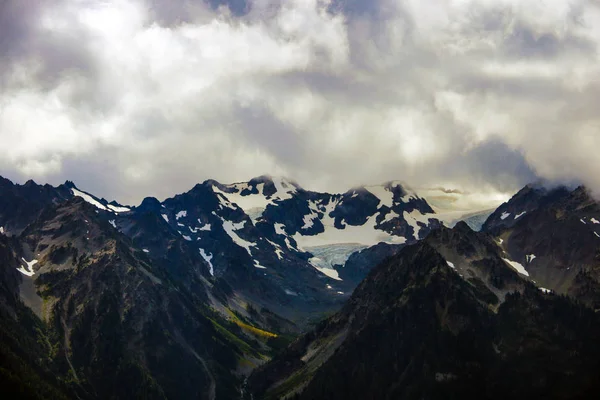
[{"x": 149, "y": 97}]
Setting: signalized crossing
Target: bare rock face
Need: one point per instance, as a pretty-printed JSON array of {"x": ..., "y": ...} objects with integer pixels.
[{"x": 556, "y": 237}]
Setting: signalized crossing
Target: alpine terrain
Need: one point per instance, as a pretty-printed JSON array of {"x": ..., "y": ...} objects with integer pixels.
[{"x": 263, "y": 289}]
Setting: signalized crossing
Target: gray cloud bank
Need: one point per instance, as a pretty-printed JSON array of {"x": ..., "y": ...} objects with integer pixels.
[{"x": 148, "y": 97}]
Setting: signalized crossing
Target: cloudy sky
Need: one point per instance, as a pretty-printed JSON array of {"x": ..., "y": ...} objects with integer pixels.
[{"x": 131, "y": 98}]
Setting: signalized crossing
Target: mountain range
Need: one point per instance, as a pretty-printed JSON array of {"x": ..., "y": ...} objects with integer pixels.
[{"x": 378, "y": 292}]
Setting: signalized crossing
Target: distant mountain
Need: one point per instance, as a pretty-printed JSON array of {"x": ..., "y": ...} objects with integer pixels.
[
  {"x": 445, "y": 318},
  {"x": 554, "y": 234}
]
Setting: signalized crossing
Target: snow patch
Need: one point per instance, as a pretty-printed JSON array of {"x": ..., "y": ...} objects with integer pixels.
[
  {"x": 278, "y": 250},
  {"x": 285, "y": 189},
  {"x": 88, "y": 199},
  {"x": 289, "y": 244},
  {"x": 279, "y": 228},
  {"x": 206, "y": 227},
  {"x": 582, "y": 221},
  {"x": 545, "y": 290},
  {"x": 595, "y": 221},
  {"x": 146, "y": 250},
  {"x": 309, "y": 220},
  {"x": 208, "y": 258},
  {"x": 517, "y": 266},
  {"x": 451, "y": 265},
  {"x": 2, "y": 230},
  {"x": 504, "y": 215},
  {"x": 118, "y": 209},
  {"x": 413, "y": 218},
  {"x": 231, "y": 228},
  {"x": 257, "y": 265},
  {"x": 28, "y": 269},
  {"x": 520, "y": 215},
  {"x": 279, "y": 253},
  {"x": 596, "y": 234},
  {"x": 385, "y": 196},
  {"x": 181, "y": 214},
  {"x": 113, "y": 223},
  {"x": 290, "y": 293},
  {"x": 165, "y": 217},
  {"x": 530, "y": 258},
  {"x": 255, "y": 204},
  {"x": 189, "y": 239},
  {"x": 390, "y": 216}
]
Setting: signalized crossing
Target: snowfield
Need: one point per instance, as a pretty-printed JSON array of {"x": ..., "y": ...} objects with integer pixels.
[
  {"x": 365, "y": 235},
  {"x": 517, "y": 266},
  {"x": 255, "y": 204},
  {"x": 88, "y": 199}
]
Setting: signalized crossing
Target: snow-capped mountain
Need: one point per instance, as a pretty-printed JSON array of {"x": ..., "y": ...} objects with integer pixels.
[
  {"x": 329, "y": 226},
  {"x": 274, "y": 242}
]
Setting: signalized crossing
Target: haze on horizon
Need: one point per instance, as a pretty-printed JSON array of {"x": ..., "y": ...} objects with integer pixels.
[{"x": 135, "y": 98}]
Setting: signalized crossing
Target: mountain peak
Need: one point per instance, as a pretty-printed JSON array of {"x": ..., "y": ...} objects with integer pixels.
[
  {"x": 275, "y": 179},
  {"x": 150, "y": 204},
  {"x": 463, "y": 227},
  {"x": 211, "y": 182}
]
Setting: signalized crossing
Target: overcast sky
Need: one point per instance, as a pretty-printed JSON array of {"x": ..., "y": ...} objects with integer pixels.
[{"x": 131, "y": 98}]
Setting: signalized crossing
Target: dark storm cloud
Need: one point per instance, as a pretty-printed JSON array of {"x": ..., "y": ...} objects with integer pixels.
[
  {"x": 493, "y": 161},
  {"x": 55, "y": 54}
]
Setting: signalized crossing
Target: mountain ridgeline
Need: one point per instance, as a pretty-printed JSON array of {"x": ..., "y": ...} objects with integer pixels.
[{"x": 263, "y": 289}]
